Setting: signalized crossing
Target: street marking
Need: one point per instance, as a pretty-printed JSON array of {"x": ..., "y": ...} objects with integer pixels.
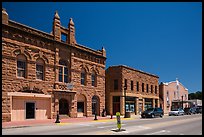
[
  {"x": 158, "y": 132},
  {"x": 61, "y": 124}
]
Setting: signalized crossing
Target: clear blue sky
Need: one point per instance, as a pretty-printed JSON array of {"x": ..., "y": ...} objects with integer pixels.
[{"x": 161, "y": 38}]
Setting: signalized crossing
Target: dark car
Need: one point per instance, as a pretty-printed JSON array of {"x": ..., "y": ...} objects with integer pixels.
[
  {"x": 193, "y": 110},
  {"x": 187, "y": 111},
  {"x": 152, "y": 112},
  {"x": 199, "y": 110}
]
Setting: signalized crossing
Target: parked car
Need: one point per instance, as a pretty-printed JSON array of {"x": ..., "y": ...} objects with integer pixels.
[
  {"x": 193, "y": 110},
  {"x": 199, "y": 110},
  {"x": 187, "y": 111},
  {"x": 152, "y": 112},
  {"x": 176, "y": 112}
]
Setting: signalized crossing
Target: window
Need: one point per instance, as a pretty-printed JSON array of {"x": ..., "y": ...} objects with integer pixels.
[
  {"x": 142, "y": 87},
  {"x": 137, "y": 86},
  {"x": 21, "y": 66},
  {"x": 93, "y": 79},
  {"x": 126, "y": 84},
  {"x": 83, "y": 77},
  {"x": 115, "y": 84},
  {"x": 63, "y": 37},
  {"x": 151, "y": 88},
  {"x": 63, "y": 71},
  {"x": 147, "y": 88},
  {"x": 167, "y": 97},
  {"x": 40, "y": 69},
  {"x": 155, "y": 89},
  {"x": 131, "y": 85}
]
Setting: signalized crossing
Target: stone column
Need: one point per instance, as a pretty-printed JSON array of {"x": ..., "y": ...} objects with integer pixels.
[
  {"x": 136, "y": 106},
  {"x": 122, "y": 105},
  {"x": 158, "y": 104},
  {"x": 143, "y": 104},
  {"x": 153, "y": 102},
  {"x": 111, "y": 105}
]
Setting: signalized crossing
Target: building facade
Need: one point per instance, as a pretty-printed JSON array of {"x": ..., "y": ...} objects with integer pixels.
[
  {"x": 174, "y": 95},
  {"x": 130, "y": 89},
  {"x": 44, "y": 74}
]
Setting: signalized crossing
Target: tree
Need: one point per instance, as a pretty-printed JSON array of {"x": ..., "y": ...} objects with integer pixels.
[{"x": 195, "y": 95}]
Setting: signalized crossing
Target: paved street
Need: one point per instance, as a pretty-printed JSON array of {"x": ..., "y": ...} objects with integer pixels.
[{"x": 168, "y": 125}]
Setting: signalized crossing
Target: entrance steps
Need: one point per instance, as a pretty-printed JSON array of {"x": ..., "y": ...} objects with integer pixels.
[{"x": 64, "y": 116}]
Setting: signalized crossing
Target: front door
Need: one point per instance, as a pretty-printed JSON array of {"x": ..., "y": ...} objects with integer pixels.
[
  {"x": 116, "y": 107},
  {"x": 30, "y": 110},
  {"x": 63, "y": 107}
]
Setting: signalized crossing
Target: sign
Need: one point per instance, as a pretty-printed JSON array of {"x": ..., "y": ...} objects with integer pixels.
[
  {"x": 118, "y": 120},
  {"x": 70, "y": 85}
]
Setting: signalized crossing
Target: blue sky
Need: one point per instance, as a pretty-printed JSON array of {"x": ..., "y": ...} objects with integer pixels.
[{"x": 161, "y": 38}]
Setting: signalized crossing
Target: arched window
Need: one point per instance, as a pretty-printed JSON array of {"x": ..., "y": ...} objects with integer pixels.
[
  {"x": 83, "y": 77},
  {"x": 40, "y": 69},
  {"x": 63, "y": 71},
  {"x": 21, "y": 66},
  {"x": 93, "y": 79}
]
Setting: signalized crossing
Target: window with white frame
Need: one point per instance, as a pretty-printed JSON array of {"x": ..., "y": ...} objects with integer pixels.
[{"x": 63, "y": 71}]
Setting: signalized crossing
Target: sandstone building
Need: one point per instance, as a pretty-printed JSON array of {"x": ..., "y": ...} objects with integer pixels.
[
  {"x": 173, "y": 95},
  {"x": 136, "y": 89},
  {"x": 43, "y": 74}
]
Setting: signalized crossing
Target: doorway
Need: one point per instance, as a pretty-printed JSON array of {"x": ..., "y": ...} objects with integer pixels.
[
  {"x": 30, "y": 110},
  {"x": 63, "y": 107}
]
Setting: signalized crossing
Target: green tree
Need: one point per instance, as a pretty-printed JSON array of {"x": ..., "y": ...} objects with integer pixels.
[{"x": 195, "y": 95}]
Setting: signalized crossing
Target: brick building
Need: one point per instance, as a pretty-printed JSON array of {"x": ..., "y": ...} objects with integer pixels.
[
  {"x": 141, "y": 92},
  {"x": 43, "y": 74},
  {"x": 173, "y": 94}
]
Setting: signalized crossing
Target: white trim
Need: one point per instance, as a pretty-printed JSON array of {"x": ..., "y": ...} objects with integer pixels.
[{"x": 28, "y": 95}]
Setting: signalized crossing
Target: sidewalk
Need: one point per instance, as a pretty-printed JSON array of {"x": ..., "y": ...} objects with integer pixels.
[{"x": 33, "y": 122}]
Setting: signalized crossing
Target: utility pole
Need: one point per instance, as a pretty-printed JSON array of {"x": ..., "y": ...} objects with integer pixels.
[
  {"x": 182, "y": 101},
  {"x": 125, "y": 88}
]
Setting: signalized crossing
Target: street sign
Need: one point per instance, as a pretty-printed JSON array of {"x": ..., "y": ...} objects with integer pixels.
[
  {"x": 69, "y": 86},
  {"x": 118, "y": 120}
]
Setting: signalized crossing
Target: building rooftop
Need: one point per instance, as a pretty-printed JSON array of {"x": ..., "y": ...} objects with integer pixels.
[{"x": 127, "y": 67}]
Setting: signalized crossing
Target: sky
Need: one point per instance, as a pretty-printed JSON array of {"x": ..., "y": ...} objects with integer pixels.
[{"x": 161, "y": 38}]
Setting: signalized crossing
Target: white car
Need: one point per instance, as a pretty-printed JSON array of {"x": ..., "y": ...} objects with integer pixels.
[{"x": 176, "y": 112}]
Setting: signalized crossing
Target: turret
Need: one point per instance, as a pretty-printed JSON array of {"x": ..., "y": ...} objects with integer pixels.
[
  {"x": 103, "y": 52},
  {"x": 4, "y": 16},
  {"x": 56, "y": 27},
  {"x": 71, "y": 33}
]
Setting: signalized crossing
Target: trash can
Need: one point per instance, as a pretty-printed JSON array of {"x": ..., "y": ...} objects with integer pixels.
[{"x": 128, "y": 114}]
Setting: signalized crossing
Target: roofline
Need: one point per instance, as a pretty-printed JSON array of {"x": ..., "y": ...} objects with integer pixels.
[
  {"x": 167, "y": 83},
  {"x": 127, "y": 67},
  {"x": 51, "y": 37}
]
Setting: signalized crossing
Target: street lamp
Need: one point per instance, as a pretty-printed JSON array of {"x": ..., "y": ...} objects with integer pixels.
[
  {"x": 125, "y": 88},
  {"x": 182, "y": 101}
]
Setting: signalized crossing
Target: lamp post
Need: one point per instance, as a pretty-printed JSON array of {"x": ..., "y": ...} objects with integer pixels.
[
  {"x": 182, "y": 101},
  {"x": 125, "y": 88},
  {"x": 57, "y": 118}
]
